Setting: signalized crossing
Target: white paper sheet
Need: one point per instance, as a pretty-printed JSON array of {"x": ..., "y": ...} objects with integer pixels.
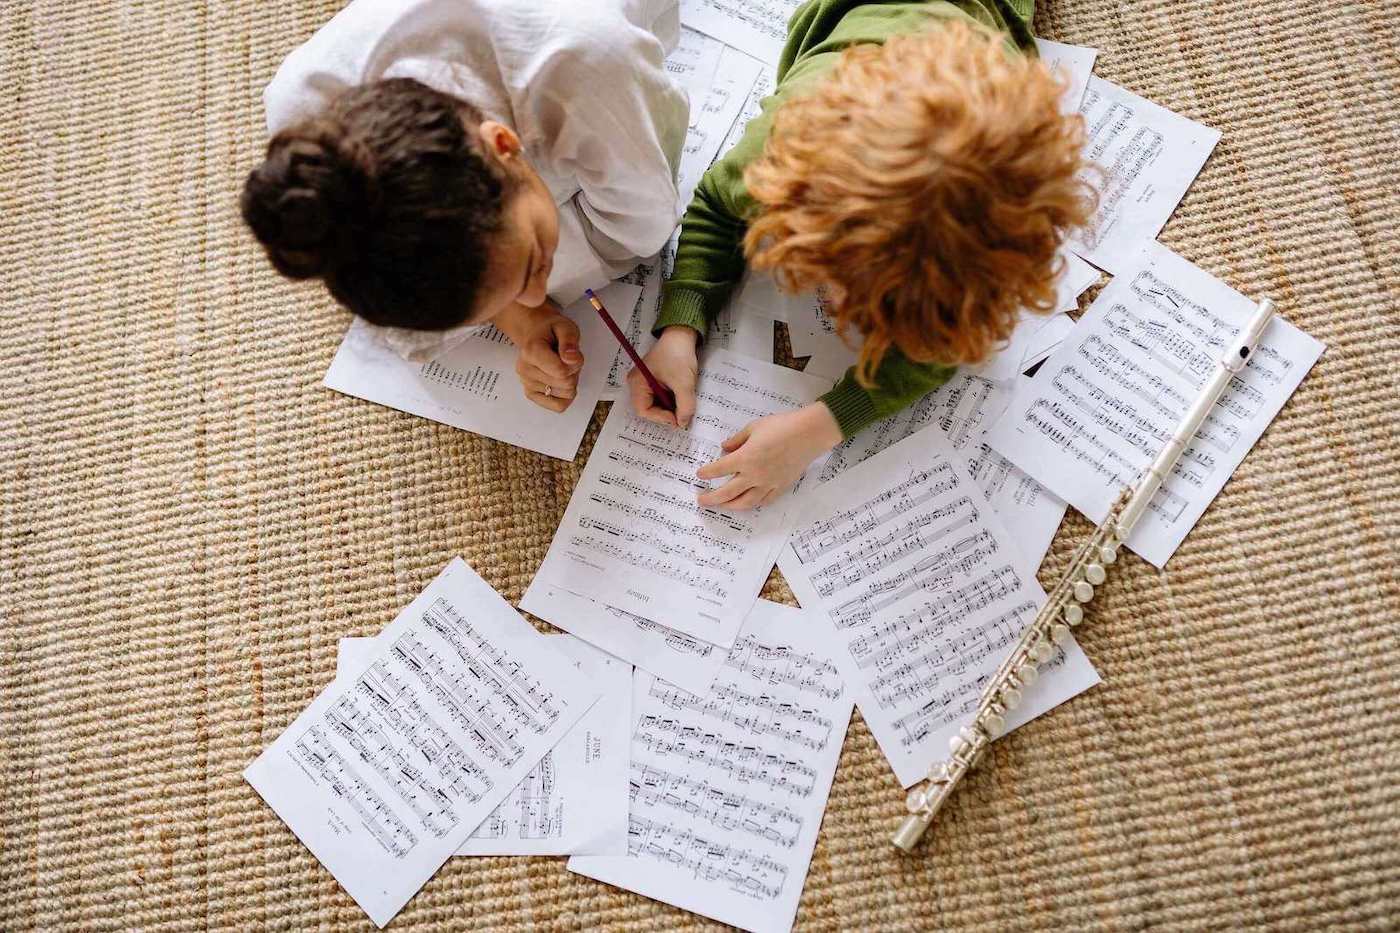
[
  {"x": 1106, "y": 401},
  {"x": 1075, "y": 281},
  {"x": 389, "y": 770},
  {"x": 1149, "y": 156},
  {"x": 633, "y": 536},
  {"x": 729, "y": 786},
  {"x": 473, "y": 386},
  {"x": 919, "y": 591},
  {"x": 692, "y": 64},
  {"x": 756, "y": 27},
  {"x": 682, "y": 659},
  {"x": 964, "y": 409},
  {"x": 574, "y": 801},
  {"x": 711, "y": 117},
  {"x": 753, "y": 106},
  {"x": 1072, "y": 62}
]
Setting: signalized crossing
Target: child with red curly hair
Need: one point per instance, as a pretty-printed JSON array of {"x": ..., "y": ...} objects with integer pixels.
[{"x": 913, "y": 164}]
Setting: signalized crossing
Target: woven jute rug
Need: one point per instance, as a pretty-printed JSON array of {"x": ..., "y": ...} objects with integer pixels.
[{"x": 189, "y": 522}]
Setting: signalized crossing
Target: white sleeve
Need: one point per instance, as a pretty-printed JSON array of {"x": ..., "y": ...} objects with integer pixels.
[
  {"x": 360, "y": 41},
  {"x": 618, "y": 123}
]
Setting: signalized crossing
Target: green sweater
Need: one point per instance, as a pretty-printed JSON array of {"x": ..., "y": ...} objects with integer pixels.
[{"x": 710, "y": 255}]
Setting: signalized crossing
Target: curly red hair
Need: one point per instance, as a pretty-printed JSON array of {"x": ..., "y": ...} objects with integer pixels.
[{"x": 926, "y": 185}]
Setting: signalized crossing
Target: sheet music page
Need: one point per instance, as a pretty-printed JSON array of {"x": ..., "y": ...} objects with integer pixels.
[
  {"x": 729, "y": 785},
  {"x": 692, "y": 64},
  {"x": 753, "y": 106},
  {"x": 964, "y": 408},
  {"x": 1149, "y": 157},
  {"x": 574, "y": 801},
  {"x": 389, "y": 770},
  {"x": 711, "y": 117},
  {"x": 755, "y": 27},
  {"x": 473, "y": 385},
  {"x": 1073, "y": 282},
  {"x": 1105, "y": 402},
  {"x": 633, "y": 536},
  {"x": 918, "y": 591},
  {"x": 1074, "y": 63}
]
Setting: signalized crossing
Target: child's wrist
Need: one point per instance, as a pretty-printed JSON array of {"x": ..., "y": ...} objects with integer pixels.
[
  {"x": 822, "y": 427},
  {"x": 682, "y": 335}
]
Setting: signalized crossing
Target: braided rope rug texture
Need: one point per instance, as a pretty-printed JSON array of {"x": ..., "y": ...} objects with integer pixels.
[{"x": 189, "y": 522}]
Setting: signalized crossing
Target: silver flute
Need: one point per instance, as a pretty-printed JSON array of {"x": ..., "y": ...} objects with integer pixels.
[{"x": 1064, "y": 605}]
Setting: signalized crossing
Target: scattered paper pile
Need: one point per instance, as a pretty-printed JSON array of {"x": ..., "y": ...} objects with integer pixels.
[{"x": 700, "y": 778}]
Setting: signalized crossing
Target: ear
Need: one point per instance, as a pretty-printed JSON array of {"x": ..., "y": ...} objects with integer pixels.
[{"x": 499, "y": 140}]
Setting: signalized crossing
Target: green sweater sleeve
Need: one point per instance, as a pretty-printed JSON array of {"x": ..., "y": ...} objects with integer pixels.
[{"x": 898, "y": 383}]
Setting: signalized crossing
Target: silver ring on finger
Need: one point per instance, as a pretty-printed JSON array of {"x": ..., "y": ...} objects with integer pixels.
[{"x": 549, "y": 391}]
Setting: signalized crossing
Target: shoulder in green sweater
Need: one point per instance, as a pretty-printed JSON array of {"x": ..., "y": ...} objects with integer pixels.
[{"x": 710, "y": 257}]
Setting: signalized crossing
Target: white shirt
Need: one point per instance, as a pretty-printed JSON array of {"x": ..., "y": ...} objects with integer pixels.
[{"x": 582, "y": 82}]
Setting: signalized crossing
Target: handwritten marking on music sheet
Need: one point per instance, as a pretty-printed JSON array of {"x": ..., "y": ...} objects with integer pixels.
[
  {"x": 575, "y": 800},
  {"x": 729, "y": 785},
  {"x": 674, "y": 656},
  {"x": 389, "y": 770},
  {"x": 755, "y": 27},
  {"x": 1149, "y": 157},
  {"x": 473, "y": 385},
  {"x": 963, "y": 409},
  {"x": 711, "y": 117},
  {"x": 918, "y": 591},
  {"x": 1105, "y": 402},
  {"x": 633, "y": 536}
]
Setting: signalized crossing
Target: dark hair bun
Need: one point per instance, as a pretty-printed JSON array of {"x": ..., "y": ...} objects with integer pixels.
[{"x": 301, "y": 201}]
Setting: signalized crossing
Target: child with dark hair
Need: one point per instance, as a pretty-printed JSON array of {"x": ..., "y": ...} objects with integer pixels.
[{"x": 442, "y": 164}]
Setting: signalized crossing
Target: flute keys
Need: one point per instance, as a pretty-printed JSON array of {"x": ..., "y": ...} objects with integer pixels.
[
  {"x": 1059, "y": 634},
  {"x": 1074, "y": 614},
  {"x": 1108, "y": 554},
  {"x": 1095, "y": 574},
  {"x": 1083, "y": 591},
  {"x": 1027, "y": 674},
  {"x": 916, "y": 800},
  {"x": 994, "y": 724},
  {"x": 1011, "y": 698}
]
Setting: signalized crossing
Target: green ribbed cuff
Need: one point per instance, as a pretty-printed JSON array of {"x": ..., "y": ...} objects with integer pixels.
[
  {"x": 851, "y": 405},
  {"x": 682, "y": 306}
]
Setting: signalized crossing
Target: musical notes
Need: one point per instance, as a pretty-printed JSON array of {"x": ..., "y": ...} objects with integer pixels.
[
  {"x": 963, "y": 409},
  {"x": 1145, "y": 157},
  {"x": 914, "y": 585},
  {"x": 1103, "y": 405},
  {"x": 756, "y": 27},
  {"x": 712, "y": 113},
  {"x": 414, "y": 744},
  {"x": 472, "y": 385},
  {"x": 573, "y": 801},
  {"x": 728, "y": 785},
  {"x": 633, "y": 537}
]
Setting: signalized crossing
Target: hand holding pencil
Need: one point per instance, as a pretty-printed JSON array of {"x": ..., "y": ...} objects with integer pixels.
[{"x": 673, "y": 362}]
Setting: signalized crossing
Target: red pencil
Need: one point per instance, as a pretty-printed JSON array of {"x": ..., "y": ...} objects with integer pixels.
[{"x": 664, "y": 397}]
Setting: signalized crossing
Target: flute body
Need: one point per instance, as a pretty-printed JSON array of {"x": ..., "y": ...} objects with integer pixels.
[{"x": 1064, "y": 604}]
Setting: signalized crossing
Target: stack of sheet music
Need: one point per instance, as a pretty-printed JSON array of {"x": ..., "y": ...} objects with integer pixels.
[{"x": 700, "y": 777}]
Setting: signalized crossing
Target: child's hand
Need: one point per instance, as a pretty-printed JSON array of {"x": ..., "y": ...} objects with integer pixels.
[
  {"x": 549, "y": 359},
  {"x": 768, "y": 455},
  {"x": 674, "y": 364}
]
